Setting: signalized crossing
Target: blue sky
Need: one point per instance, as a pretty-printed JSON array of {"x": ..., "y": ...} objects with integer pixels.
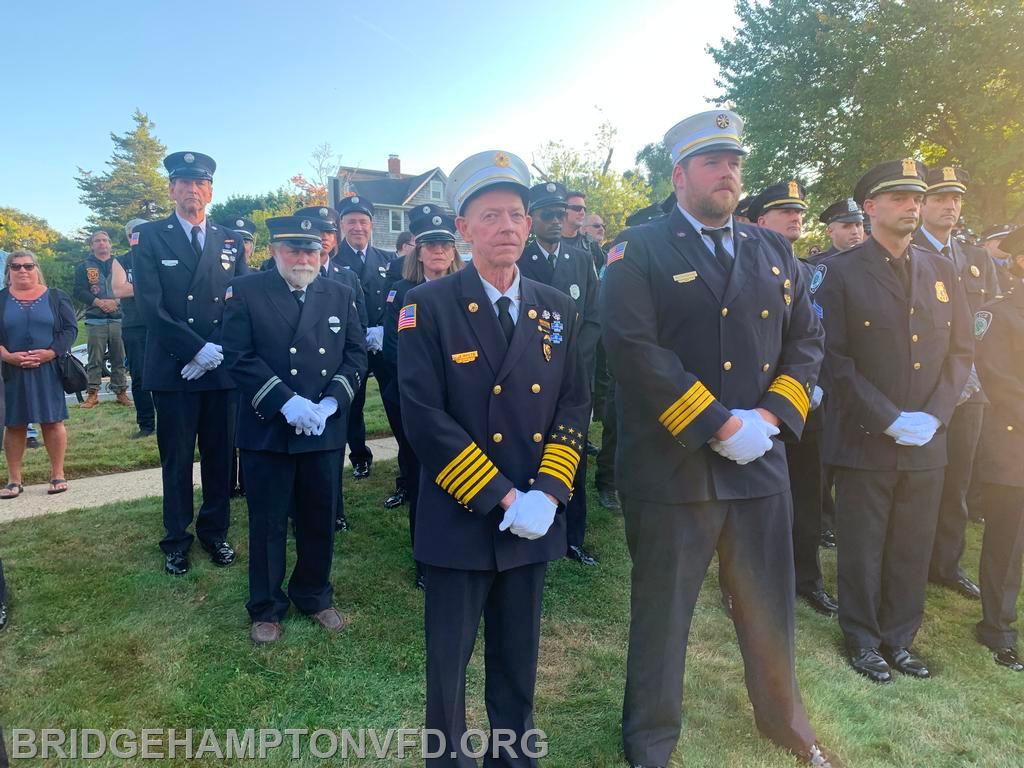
[{"x": 259, "y": 85}]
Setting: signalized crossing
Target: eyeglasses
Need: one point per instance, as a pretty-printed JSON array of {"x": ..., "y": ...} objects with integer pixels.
[
  {"x": 19, "y": 267},
  {"x": 596, "y": 226},
  {"x": 577, "y": 208},
  {"x": 551, "y": 214}
]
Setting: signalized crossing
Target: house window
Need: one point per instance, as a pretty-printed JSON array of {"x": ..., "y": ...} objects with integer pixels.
[
  {"x": 397, "y": 220},
  {"x": 436, "y": 190}
]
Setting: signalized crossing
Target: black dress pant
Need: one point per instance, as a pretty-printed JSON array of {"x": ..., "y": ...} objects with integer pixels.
[
  {"x": 134, "y": 338},
  {"x": 576, "y": 508},
  {"x": 1001, "y": 560},
  {"x": 305, "y": 484},
  {"x": 509, "y": 602},
  {"x": 183, "y": 418},
  {"x": 408, "y": 464},
  {"x": 604, "y": 475},
  {"x": 382, "y": 371},
  {"x": 886, "y": 528},
  {"x": 828, "y": 504},
  {"x": 671, "y": 546},
  {"x": 603, "y": 382},
  {"x": 962, "y": 443},
  {"x": 805, "y": 480}
]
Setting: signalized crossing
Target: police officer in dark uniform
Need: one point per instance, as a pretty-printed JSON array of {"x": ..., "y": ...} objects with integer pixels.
[
  {"x": 371, "y": 267},
  {"x": 992, "y": 240},
  {"x": 433, "y": 256},
  {"x": 183, "y": 264},
  {"x": 976, "y": 274},
  {"x": 496, "y": 410},
  {"x": 898, "y": 353},
  {"x": 715, "y": 350},
  {"x": 844, "y": 225},
  {"x": 246, "y": 229},
  {"x": 294, "y": 345},
  {"x": 780, "y": 208},
  {"x": 550, "y": 261},
  {"x": 999, "y": 356}
]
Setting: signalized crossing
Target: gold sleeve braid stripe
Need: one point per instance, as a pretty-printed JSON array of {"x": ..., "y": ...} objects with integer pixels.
[
  {"x": 467, "y": 474},
  {"x": 789, "y": 388},
  {"x": 559, "y": 461},
  {"x": 678, "y": 416}
]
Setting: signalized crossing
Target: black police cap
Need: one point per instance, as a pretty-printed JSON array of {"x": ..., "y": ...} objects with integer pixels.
[
  {"x": 644, "y": 215},
  {"x": 743, "y": 207},
  {"x": 907, "y": 175},
  {"x": 1013, "y": 243},
  {"x": 301, "y": 232},
  {"x": 845, "y": 210},
  {"x": 354, "y": 204},
  {"x": 327, "y": 215},
  {"x": 243, "y": 226},
  {"x": 430, "y": 224},
  {"x": 789, "y": 195},
  {"x": 997, "y": 232},
  {"x": 947, "y": 179},
  {"x": 190, "y": 165},
  {"x": 546, "y": 194}
]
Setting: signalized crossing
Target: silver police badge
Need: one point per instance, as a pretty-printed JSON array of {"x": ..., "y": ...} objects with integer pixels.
[
  {"x": 323, "y": 213},
  {"x": 189, "y": 157},
  {"x": 334, "y": 323},
  {"x": 355, "y": 201},
  {"x": 574, "y": 291},
  {"x": 305, "y": 225},
  {"x": 239, "y": 223},
  {"x": 436, "y": 221},
  {"x": 550, "y": 187},
  {"x": 426, "y": 209}
]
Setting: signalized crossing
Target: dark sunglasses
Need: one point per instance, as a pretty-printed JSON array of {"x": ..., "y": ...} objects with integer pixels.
[
  {"x": 19, "y": 267},
  {"x": 596, "y": 226},
  {"x": 550, "y": 214},
  {"x": 577, "y": 208}
]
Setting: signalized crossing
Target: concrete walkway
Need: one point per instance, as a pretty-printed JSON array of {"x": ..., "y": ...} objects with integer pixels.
[{"x": 124, "y": 486}]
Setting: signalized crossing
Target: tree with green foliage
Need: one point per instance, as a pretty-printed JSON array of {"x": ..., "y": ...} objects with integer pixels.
[
  {"x": 830, "y": 87},
  {"x": 654, "y": 166},
  {"x": 134, "y": 184}
]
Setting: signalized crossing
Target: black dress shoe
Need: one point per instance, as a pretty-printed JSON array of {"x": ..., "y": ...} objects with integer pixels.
[
  {"x": 396, "y": 499},
  {"x": 964, "y": 587},
  {"x": 609, "y": 500},
  {"x": 818, "y": 756},
  {"x": 176, "y": 563},
  {"x": 4, "y": 615},
  {"x": 904, "y": 662},
  {"x": 221, "y": 553},
  {"x": 1005, "y": 657},
  {"x": 592, "y": 450},
  {"x": 142, "y": 434},
  {"x": 869, "y": 662},
  {"x": 581, "y": 556},
  {"x": 822, "y": 602},
  {"x": 828, "y": 539},
  {"x": 361, "y": 470},
  {"x": 341, "y": 523}
]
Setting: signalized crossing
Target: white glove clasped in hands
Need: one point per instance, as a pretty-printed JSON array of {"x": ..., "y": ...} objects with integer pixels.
[
  {"x": 307, "y": 417},
  {"x": 914, "y": 428},
  {"x": 750, "y": 442},
  {"x": 208, "y": 357},
  {"x": 375, "y": 338},
  {"x": 530, "y": 515},
  {"x": 816, "y": 397}
]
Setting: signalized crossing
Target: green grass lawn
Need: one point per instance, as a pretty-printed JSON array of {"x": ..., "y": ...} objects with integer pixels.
[
  {"x": 99, "y": 444},
  {"x": 101, "y": 638}
]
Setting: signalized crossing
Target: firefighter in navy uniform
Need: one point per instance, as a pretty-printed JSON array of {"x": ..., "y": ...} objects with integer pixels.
[
  {"x": 496, "y": 410},
  {"x": 898, "y": 353},
  {"x": 844, "y": 225},
  {"x": 992, "y": 240},
  {"x": 550, "y": 261},
  {"x": 999, "y": 356},
  {"x": 715, "y": 350},
  {"x": 780, "y": 208},
  {"x": 183, "y": 264},
  {"x": 371, "y": 267},
  {"x": 293, "y": 343},
  {"x": 976, "y": 274}
]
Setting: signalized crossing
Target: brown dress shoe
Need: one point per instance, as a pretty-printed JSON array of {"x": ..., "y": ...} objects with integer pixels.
[
  {"x": 122, "y": 399},
  {"x": 92, "y": 399},
  {"x": 329, "y": 619},
  {"x": 265, "y": 632}
]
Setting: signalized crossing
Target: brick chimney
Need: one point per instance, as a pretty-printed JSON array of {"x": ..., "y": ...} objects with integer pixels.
[{"x": 394, "y": 166}]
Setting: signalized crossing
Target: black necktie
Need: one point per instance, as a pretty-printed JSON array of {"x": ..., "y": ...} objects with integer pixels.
[
  {"x": 298, "y": 296},
  {"x": 362, "y": 256},
  {"x": 323, "y": 271},
  {"x": 195, "y": 242},
  {"x": 505, "y": 317},
  {"x": 946, "y": 252},
  {"x": 552, "y": 259},
  {"x": 721, "y": 255},
  {"x": 901, "y": 266}
]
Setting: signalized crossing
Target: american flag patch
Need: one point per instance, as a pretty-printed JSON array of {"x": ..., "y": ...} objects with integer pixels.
[
  {"x": 134, "y": 239},
  {"x": 616, "y": 253},
  {"x": 229, "y": 293},
  {"x": 391, "y": 296},
  {"x": 407, "y": 317}
]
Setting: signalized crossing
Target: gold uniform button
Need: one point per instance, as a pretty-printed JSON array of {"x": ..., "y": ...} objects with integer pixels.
[
  {"x": 911, "y": 310},
  {"x": 496, "y": 437},
  {"x": 532, "y": 314},
  {"x": 293, "y": 350},
  {"x": 293, "y": 372},
  {"x": 323, "y": 373},
  {"x": 764, "y": 314},
  {"x": 727, "y": 365},
  {"x": 867, "y": 323},
  {"x": 537, "y": 437},
  {"x": 787, "y": 284},
  {"x": 1009, "y": 427},
  {"x": 473, "y": 306},
  {"x": 535, "y": 388},
  {"x": 323, "y": 351},
  {"x": 914, "y": 337},
  {"x": 497, "y": 389},
  {"x": 765, "y": 367},
  {"x": 948, "y": 324},
  {"x": 776, "y": 270},
  {"x": 917, "y": 366},
  {"x": 725, "y": 311}
]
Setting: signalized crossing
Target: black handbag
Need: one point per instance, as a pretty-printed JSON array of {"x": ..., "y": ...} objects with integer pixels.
[{"x": 72, "y": 374}]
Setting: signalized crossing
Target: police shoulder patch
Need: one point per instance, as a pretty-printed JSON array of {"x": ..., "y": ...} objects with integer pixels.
[
  {"x": 134, "y": 239},
  {"x": 818, "y": 277},
  {"x": 982, "y": 322},
  {"x": 617, "y": 253}
]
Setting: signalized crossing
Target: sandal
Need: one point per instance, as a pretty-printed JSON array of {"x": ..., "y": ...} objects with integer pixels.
[
  {"x": 54, "y": 486},
  {"x": 11, "y": 491}
]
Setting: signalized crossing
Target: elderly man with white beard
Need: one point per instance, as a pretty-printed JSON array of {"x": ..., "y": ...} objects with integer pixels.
[{"x": 295, "y": 347}]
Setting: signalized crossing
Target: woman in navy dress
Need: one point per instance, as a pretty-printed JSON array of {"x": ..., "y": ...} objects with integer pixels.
[{"x": 37, "y": 326}]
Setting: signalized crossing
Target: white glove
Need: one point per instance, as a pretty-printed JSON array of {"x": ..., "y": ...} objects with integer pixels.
[
  {"x": 325, "y": 409},
  {"x": 375, "y": 338},
  {"x": 751, "y": 441},
  {"x": 913, "y": 428},
  {"x": 301, "y": 414},
  {"x": 209, "y": 356},
  {"x": 972, "y": 386},
  {"x": 816, "y": 396},
  {"x": 756, "y": 418},
  {"x": 192, "y": 371},
  {"x": 532, "y": 514}
]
